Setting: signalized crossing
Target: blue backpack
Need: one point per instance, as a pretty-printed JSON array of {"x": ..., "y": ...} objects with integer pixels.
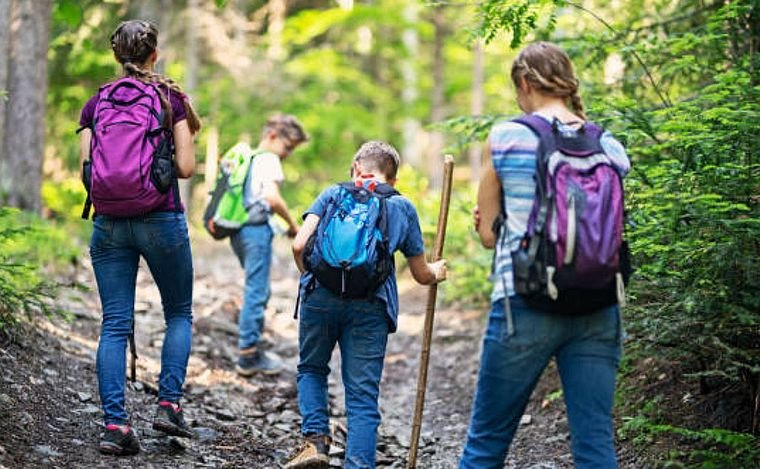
[{"x": 349, "y": 253}]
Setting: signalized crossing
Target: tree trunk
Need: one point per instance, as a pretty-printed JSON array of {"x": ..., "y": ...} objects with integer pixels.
[
  {"x": 27, "y": 92},
  {"x": 410, "y": 150},
  {"x": 191, "y": 82},
  {"x": 277, "y": 11},
  {"x": 476, "y": 107},
  {"x": 437, "y": 111},
  {"x": 5, "y": 10}
]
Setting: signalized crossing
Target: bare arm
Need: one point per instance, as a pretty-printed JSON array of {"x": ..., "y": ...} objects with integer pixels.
[
  {"x": 84, "y": 147},
  {"x": 489, "y": 203},
  {"x": 184, "y": 149},
  {"x": 279, "y": 206},
  {"x": 427, "y": 273},
  {"x": 299, "y": 243}
]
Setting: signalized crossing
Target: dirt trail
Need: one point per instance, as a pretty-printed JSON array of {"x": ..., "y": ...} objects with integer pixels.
[{"x": 50, "y": 413}]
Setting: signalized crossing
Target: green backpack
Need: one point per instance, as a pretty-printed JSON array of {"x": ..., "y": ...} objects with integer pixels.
[{"x": 225, "y": 213}]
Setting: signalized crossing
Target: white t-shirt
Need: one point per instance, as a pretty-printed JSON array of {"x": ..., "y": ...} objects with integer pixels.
[{"x": 265, "y": 168}]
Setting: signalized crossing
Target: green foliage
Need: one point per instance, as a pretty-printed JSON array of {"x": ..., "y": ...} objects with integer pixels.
[
  {"x": 27, "y": 243},
  {"x": 710, "y": 447},
  {"x": 516, "y": 18},
  {"x": 468, "y": 263},
  {"x": 65, "y": 198}
]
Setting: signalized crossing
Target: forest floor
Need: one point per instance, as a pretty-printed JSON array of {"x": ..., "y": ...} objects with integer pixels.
[{"x": 50, "y": 412}]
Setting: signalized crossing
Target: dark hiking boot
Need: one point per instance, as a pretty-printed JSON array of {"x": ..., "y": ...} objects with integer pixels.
[
  {"x": 313, "y": 453},
  {"x": 170, "y": 420},
  {"x": 119, "y": 440},
  {"x": 253, "y": 360}
]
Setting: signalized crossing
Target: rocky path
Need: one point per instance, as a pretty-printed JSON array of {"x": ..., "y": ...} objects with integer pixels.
[{"x": 50, "y": 414}]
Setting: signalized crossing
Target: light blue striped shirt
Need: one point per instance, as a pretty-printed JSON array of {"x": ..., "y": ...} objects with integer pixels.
[{"x": 513, "y": 155}]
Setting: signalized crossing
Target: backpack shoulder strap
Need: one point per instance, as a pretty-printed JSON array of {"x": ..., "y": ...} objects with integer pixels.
[
  {"x": 537, "y": 124},
  {"x": 384, "y": 190}
]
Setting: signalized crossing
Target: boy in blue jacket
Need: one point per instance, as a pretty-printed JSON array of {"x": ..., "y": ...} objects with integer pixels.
[{"x": 359, "y": 325}]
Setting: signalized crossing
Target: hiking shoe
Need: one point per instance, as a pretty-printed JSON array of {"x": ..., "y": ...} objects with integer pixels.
[
  {"x": 253, "y": 360},
  {"x": 170, "y": 420},
  {"x": 313, "y": 453},
  {"x": 119, "y": 440}
]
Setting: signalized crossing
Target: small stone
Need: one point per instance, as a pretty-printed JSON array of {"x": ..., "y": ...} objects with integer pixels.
[
  {"x": 336, "y": 462},
  {"x": 50, "y": 372},
  {"x": 284, "y": 427},
  {"x": 205, "y": 434},
  {"x": 288, "y": 416},
  {"x": 46, "y": 451},
  {"x": 223, "y": 414},
  {"x": 25, "y": 418},
  {"x": 336, "y": 451},
  {"x": 177, "y": 444},
  {"x": 526, "y": 419},
  {"x": 6, "y": 400},
  {"x": 2, "y": 450},
  {"x": 556, "y": 439},
  {"x": 84, "y": 396},
  {"x": 91, "y": 409},
  {"x": 138, "y": 386}
]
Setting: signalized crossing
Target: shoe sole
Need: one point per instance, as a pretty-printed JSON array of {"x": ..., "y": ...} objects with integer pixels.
[
  {"x": 116, "y": 450},
  {"x": 322, "y": 462},
  {"x": 248, "y": 372},
  {"x": 171, "y": 429}
]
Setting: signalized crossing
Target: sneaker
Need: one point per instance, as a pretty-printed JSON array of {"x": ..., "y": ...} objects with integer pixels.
[
  {"x": 253, "y": 360},
  {"x": 313, "y": 453},
  {"x": 170, "y": 420},
  {"x": 119, "y": 440}
]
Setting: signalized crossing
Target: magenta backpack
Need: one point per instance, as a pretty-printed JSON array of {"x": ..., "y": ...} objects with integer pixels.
[
  {"x": 572, "y": 258},
  {"x": 131, "y": 168}
]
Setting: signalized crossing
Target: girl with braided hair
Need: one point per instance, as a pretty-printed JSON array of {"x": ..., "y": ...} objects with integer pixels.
[
  {"x": 159, "y": 236},
  {"x": 521, "y": 338}
]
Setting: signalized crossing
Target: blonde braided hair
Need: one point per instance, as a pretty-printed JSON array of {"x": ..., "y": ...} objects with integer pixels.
[
  {"x": 547, "y": 68},
  {"x": 133, "y": 42}
]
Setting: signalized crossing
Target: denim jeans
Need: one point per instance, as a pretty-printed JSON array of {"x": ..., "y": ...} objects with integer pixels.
[
  {"x": 360, "y": 327},
  {"x": 515, "y": 352},
  {"x": 253, "y": 247},
  {"x": 115, "y": 248}
]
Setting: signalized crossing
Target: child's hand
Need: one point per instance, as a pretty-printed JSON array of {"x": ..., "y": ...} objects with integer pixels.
[
  {"x": 476, "y": 217},
  {"x": 439, "y": 270},
  {"x": 292, "y": 231}
]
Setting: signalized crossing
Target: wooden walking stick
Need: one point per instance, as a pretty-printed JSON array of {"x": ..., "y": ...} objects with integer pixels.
[{"x": 427, "y": 335}]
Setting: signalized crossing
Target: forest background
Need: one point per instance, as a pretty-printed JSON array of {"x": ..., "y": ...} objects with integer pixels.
[{"x": 677, "y": 81}]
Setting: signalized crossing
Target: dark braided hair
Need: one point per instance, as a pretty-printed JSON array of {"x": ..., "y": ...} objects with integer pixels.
[{"x": 133, "y": 42}]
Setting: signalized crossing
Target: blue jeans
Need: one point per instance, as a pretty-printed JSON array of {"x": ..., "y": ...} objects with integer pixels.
[
  {"x": 587, "y": 350},
  {"x": 253, "y": 247},
  {"x": 115, "y": 248},
  {"x": 360, "y": 327}
]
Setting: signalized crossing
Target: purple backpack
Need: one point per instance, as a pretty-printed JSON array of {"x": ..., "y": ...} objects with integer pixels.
[
  {"x": 130, "y": 169},
  {"x": 573, "y": 258}
]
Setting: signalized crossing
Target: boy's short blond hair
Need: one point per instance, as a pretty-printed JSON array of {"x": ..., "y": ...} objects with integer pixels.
[
  {"x": 286, "y": 126},
  {"x": 378, "y": 156}
]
